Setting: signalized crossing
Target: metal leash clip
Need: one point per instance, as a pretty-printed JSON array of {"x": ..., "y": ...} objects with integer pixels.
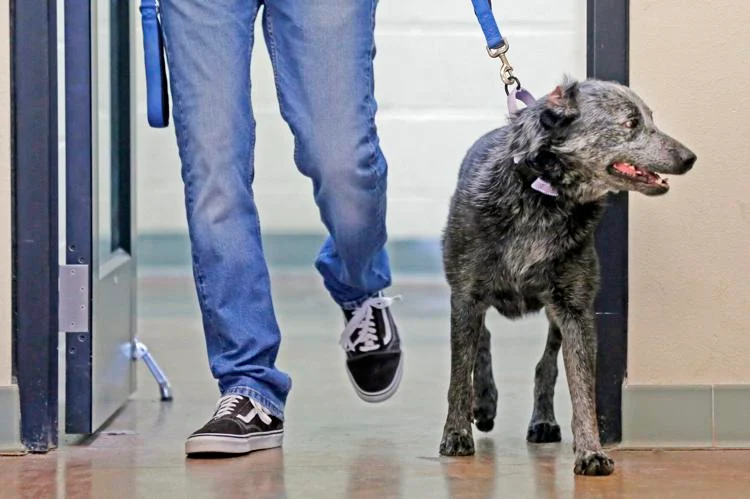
[{"x": 506, "y": 70}]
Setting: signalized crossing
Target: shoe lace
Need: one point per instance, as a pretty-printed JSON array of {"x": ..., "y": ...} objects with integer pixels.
[
  {"x": 361, "y": 330},
  {"x": 228, "y": 403}
]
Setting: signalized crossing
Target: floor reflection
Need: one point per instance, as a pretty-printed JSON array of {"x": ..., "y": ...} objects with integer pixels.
[
  {"x": 258, "y": 475},
  {"x": 546, "y": 468},
  {"x": 375, "y": 472},
  {"x": 473, "y": 476},
  {"x": 336, "y": 445}
]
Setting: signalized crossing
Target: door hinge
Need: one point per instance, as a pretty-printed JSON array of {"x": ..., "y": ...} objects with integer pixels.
[{"x": 73, "y": 309}]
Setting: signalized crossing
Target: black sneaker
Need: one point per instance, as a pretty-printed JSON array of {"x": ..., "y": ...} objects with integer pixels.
[
  {"x": 239, "y": 425},
  {"x": 374, "y": 361}
]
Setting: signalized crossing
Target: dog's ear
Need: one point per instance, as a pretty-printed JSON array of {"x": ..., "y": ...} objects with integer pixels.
[{"x": 560, "y": 107}]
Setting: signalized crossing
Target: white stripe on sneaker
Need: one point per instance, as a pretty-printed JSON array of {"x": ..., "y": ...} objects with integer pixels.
[{"x": 233, "y": 444}]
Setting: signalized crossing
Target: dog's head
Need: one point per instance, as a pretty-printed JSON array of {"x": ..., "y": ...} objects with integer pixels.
[{"x": 601, "y": 137}]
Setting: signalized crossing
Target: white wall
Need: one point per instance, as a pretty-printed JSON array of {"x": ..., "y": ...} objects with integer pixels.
[
  {"x": 6, "y": 306},
  {"x": 437, "y": 90}
]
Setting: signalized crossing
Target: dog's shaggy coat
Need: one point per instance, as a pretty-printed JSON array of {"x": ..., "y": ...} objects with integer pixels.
[{"x": 514, "y": 248}]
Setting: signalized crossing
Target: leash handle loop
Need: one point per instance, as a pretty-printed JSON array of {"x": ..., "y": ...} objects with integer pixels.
[{"x": 157, "y": 88}]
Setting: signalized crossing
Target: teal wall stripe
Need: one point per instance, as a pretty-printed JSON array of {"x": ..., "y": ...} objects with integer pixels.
[{"x": 408, "y": 256}]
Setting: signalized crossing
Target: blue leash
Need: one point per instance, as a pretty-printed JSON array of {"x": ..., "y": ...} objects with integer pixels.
[
  {"x": 483, "y": 11},
  {"x": 157, "y": 89},
  {"x": 497, "y": 47}
]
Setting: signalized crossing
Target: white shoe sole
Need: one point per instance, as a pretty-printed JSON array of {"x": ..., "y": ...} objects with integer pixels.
[
  {"x": 383, "y": 395},
  {"x": 233, "y": 444}
]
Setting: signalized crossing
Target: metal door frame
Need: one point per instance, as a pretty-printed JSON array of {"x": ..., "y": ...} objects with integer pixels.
[
  {"x": 79, "y": 187},
  {"x": 34, "y": 157},
  {"x": 607, "y": 59},
  {"x": 35, "y": 224}
]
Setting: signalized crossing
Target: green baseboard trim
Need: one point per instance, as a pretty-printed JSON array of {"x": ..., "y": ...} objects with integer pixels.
[
  {"x": 731, "y": 416},
  {"x": 291, "y": 251},
  {"x": 703, "y": 416},
  {"x": 667, "y": 416},
  {"x": 10, "y": 421}
]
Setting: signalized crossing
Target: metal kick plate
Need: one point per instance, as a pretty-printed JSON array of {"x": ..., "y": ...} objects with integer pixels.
[{"x": 73, "y": 311}]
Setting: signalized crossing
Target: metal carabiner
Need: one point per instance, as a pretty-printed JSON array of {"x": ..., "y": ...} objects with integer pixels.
[{"x": 506, "y": 70}]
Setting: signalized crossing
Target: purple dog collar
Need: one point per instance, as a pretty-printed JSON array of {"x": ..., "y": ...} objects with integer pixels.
[
  {"x": 519, "y": 94},
  {"x": 540, "y": 185},
  {"x": 544, "y": 187}
]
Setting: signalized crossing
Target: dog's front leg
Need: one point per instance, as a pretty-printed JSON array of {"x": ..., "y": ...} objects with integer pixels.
[
  {"x": 579, "y": 356},
  {"x": 466, "y": 326},
  {"x": 543, "y": 427},
  {"x": 485, "y": 391}
]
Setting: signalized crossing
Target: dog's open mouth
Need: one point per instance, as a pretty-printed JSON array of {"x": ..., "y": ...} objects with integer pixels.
[{"x": 638, "y": 174}]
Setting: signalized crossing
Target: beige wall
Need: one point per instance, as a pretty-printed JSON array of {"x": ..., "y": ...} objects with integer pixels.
[
  {"x": 690, "y": 250},
  {"x": 5, "y": 245}
]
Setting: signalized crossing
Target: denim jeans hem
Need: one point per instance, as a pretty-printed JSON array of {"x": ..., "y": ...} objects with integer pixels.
[
  {"x": 274, "y": 408},
  {"x": 346, "y": 296},
  {"x": 354, "y": 304}
]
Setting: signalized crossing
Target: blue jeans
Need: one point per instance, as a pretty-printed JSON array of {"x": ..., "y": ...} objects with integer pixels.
[{"x": 322, "y": 53}]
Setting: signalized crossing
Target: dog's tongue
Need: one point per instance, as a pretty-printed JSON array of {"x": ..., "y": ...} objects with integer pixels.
[
  {"x": 634, "y": 171},
  {"x": 626, "y": 168}
]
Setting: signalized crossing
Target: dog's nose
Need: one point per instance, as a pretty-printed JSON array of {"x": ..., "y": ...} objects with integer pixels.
[{"x": 688, "y": 160}]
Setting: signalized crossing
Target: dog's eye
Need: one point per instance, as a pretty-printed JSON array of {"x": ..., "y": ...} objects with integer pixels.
[{"x": 632, "y": 123}]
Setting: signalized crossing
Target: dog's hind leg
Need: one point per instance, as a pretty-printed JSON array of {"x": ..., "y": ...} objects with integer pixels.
[
  {"x": 467, "y": 318},
  {"x": 579, "y": 355},
  {"x": 543, "y": 427},
  {"x": 485, "y": 392}
]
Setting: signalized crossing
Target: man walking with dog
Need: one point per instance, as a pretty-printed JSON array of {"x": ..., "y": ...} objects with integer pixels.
[{"x": 322, "y": 54}]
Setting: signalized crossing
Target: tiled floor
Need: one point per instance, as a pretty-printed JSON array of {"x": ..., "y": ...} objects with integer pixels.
[{"x": 337, "y": 446}]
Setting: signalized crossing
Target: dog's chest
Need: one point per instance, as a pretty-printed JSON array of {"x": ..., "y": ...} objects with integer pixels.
[
  {"x": 531, "y": 247},
  {"x": 525, "y": 269},
  {"x": 535, "y": 240}
]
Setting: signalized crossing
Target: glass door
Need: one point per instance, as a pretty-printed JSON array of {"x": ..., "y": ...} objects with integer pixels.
[{"x": 98, "y": 280}]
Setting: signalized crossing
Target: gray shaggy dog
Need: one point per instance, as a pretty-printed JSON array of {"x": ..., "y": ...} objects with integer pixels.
[{"x": 520, "y": 237}]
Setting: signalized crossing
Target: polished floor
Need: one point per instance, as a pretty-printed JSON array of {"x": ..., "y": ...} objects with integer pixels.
[{"x": 337, "y": 446}]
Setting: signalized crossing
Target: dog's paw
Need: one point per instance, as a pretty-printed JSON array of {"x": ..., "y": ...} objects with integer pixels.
[
  {"x": 543, "y": 432},
  {"x": 457, "y": 443},
  {"x": 484, "y": 417},
  {"x": 485, "y": 405},
  {"x": 484, "y": 425},
  {"x": 593, "y": 463}
]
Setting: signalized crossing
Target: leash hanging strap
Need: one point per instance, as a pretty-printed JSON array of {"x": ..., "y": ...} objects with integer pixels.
[
  {"x": 483, "y": 11},
  {"x": 157, "y": 89},
  {"x": 497, "y": 47}
]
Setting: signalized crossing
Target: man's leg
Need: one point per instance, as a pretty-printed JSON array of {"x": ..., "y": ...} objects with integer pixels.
[
  {"x": 322, "y": 53},
  {"x": 208, "y": 50}
]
